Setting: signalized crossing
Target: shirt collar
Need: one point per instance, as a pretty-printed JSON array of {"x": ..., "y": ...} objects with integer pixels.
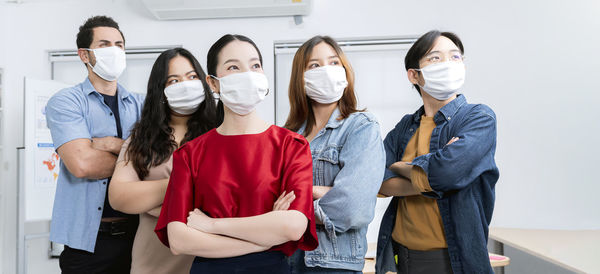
[
  {"x": 333, "y": 122},
  {"x": 445, "y": 113},
  {"x": 88, "y": 89}
]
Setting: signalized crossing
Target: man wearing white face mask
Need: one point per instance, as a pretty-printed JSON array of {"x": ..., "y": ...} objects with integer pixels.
[
  {"x": 440, "y": 170},
  {"x": 88, "y": 123}
]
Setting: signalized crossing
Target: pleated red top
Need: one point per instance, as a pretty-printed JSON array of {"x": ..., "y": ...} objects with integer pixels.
[{"x": 241, "y": 176}]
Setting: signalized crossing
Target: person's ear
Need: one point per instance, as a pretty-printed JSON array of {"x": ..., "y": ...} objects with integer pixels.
[
  {"x": 212, "y": 83},
  {"x": 85, "y": 56},
  {"x": 413, "y": 76}
]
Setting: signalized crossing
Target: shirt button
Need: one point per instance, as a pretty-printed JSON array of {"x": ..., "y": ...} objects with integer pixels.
[
  {"x": 104, "y": 182},
  {"x": 449, "y": 117},
  {"x": 111, "y": 114},
  {"x": 411, "y": 129},
  {"x": 99, "y": 208}
]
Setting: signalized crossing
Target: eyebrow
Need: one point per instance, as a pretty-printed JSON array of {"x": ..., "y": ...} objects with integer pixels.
[
  {"x": 106, "y": 41},
  {"x": 175, "y": 75},
  {"x": 432, "y": 52},
  {"x": 437, "y": 51},
  {"x": 330, "y": 57},
  {"x": 231, "y": 60}
]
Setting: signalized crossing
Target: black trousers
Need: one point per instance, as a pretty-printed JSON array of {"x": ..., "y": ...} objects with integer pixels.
[
  {"x": 266, "y": 262},
  {"x": 111, "y": 255},
  {"x": 416, "y": 262}
]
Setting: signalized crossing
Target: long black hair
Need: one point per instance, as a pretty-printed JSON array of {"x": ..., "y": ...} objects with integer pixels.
[
  {"x": 212, "y": 60},
  {"x": 152, "y": 141},
  {"x": 423, "y": 45}
]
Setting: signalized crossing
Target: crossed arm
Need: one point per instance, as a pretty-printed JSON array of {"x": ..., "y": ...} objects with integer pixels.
[
  {"x": 226, "y": 237},
  {"x": 92, "y": 159},
  {"x": 127, "y": 193},
  {"x": 402, "y": 185}
]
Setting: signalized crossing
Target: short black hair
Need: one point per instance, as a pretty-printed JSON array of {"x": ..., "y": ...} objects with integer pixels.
[
  {"x": 85, "y": 36},
  {"x": 423, "y": 45}
]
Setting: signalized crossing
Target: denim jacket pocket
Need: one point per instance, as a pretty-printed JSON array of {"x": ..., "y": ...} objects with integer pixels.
[{"x": 326, "y": 165}]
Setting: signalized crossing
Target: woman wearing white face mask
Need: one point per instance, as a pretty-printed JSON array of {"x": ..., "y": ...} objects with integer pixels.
[
  {"x": 441, "y": 170},
  {"x": 178, "y": 108},
  {"x": 348, "y": 156},
  {"x": 222, "y": 200}
]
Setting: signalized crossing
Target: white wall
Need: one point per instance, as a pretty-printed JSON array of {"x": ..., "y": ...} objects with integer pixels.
[
  {"x": 2, "y": 204},
  {"x": 533, "y": 62},
  {"x": 7, "y": 226}
]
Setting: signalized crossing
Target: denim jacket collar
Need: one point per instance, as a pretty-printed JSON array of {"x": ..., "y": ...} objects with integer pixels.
[
  {"x": 88, "y": 89},
  {"x": 333, "y": 121},
  {"x": 445, "y": 113}
]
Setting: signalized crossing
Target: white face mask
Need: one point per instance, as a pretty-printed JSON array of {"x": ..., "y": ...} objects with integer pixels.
[
  {"x": 110, "y": 62},
  {"x": 442, "y": 80},
  {"x": 185, "y": 97},
  {"x": 241, "y": 92},
  {"x": 325, "y": 84}
]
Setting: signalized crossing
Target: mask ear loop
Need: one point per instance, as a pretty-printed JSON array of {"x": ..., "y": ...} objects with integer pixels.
[
  {"x": 419, "y": 71},
  {"x": 216, "y": 95},
  {"x": 89, "y": 57}
]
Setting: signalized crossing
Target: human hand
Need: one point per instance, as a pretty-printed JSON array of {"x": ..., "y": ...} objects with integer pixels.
[
  {"x": 320, "y": 191},
  {"x": 401, "y": 168},
  {"x": 454, "y": 139},
  {"x": 200, "y": 221},
  {"x": 108, "y": 143},
  {"x": 284, "y": 201}
]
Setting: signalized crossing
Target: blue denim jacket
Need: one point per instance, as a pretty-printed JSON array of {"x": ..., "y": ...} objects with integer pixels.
[
  {"x": 348, "y": 155},
  {"x": 462, "y": 175},
  {"x": 79, "y": 112}
]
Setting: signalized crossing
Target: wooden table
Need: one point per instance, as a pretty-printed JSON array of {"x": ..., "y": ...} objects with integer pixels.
[{"x": 575, "y": 250}]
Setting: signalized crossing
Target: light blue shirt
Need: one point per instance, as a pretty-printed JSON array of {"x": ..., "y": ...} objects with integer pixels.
[
  {"x": 79, "y": 112},
  {"x": 348, "y": 155}
]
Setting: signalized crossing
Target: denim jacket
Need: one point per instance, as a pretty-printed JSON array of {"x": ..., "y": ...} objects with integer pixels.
[
  {"x": 348, "y": 155},
  {"x": 462, "y": 175}
]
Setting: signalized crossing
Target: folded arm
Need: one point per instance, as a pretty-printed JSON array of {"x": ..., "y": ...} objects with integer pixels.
[
  {"x": 351, "y": 201},
  {"x": 398, "y": 186},
  {"x": 186, "y": 240},
  {"x": 269, "y": 229},
  {"x": 455, "y": 166},
  {"x": 84, "y": 161},
  {"x": 129, "y": 194}
]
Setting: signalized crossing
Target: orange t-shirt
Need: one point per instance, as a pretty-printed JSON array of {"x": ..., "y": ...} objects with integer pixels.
[{"x": 418, "y": 221}]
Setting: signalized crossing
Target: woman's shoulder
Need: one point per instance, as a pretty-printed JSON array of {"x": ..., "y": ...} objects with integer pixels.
[
  {"x": 363, "y": 116},
  {"x": 287, "y": 135},
  {"x": 198, "y": 141},
  {"x": 361, "y": 119}
]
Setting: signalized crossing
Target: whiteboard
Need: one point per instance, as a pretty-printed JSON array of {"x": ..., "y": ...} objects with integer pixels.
[
  {"x": 41, "y": 163},
  {"x": 381, "y": 86}
]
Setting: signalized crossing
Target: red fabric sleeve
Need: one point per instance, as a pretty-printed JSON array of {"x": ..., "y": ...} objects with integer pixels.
[
  {"x": 297, "y": 177},
  {"x": 179, "y": 198}
]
